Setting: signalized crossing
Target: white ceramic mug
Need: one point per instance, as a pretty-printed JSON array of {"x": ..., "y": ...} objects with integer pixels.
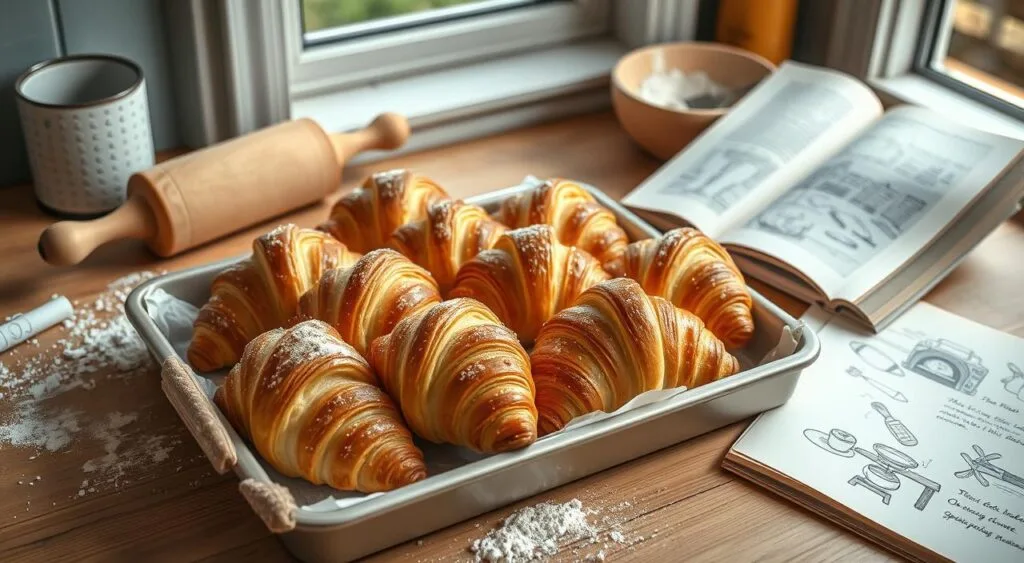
[{"x": 86, "y": 124}]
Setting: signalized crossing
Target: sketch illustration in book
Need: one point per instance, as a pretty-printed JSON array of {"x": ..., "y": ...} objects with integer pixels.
[
  {"x": 876, "y": 358},
  {"x": 786, "y": 222},
  {"x": 882, "y": 476},
  {"x": 947, "y": 363},
  {"x": 724, "y": 177},
  {"x": 862, "y": 200},
  {"x": 1014, "y": 384},
  {"x": 893, "y": 394},
  {"x": 937, "y": 359},
  {"x": 895, "y": 426},
  {"x": 982, "y": 468}
]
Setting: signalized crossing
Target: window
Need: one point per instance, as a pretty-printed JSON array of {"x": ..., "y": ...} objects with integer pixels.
[
  {"x": 977, "y": 46},
  {"x": 342, "y": 44},
  {"x": 456, "y": 68},
  {"x": 963, "y": 58},
  {"x": 324, "y": 21}
]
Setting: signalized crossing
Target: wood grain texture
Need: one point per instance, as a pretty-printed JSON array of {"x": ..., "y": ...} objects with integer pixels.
[{"x": 681, "y": 502}]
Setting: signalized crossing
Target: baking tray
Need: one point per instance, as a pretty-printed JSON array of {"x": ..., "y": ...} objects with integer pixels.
[{"x": 491, "y": 482}]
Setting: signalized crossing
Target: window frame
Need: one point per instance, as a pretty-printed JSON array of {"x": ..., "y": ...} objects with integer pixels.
[
  {"x": 937, "y": 17},
  {"x": 418, "y": 50},
  {"x": 881, "y": 42},
  {"x": 233, "y": 74}
]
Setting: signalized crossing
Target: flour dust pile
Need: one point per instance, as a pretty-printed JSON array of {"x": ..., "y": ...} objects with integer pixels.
[
  {"x": 543, "y": 530},
  {"x": 97, "y": 342}
]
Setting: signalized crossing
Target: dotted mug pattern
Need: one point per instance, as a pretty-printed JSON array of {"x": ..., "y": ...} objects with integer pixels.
[{"x": 81, "y": 158}]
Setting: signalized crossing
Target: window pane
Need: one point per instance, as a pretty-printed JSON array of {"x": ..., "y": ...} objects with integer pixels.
[
  {"x": 322, "y": 14},
  {"x": 984, "y": 47},
  {"x": 332, "y": 20}
]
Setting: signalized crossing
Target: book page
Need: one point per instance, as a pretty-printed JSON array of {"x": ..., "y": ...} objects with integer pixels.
[
  {"x": 868, "y": 210},
  {"x": 774, "y": 136},
  {"x": 918, "y": 428}
]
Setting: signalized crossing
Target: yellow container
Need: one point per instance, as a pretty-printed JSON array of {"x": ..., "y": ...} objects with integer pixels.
[{"x": 764, "y": 27}]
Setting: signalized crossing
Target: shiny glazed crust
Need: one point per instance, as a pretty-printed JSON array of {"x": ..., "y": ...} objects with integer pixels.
[
  {"x": 615, "y": 343},
  {"x": 367, "y": 299},
  {"x": 693, "y": 272},
  {"x": 261, "y": 293},
  {"x": 577, "y": 218},
  {"x": 365, "y": 218},
  {"x": 460, "y": 377},
  {"x": 452, "y": 234},
  {"x": 528, "y": 277},
  {"x": 313, "y": 409}
]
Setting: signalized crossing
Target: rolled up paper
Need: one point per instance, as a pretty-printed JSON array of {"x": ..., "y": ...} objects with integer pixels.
[{"x": 23, "y": 326}]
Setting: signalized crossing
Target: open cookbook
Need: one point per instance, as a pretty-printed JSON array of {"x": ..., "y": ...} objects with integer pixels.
[
  {"x": 817, "y": 191},
  {"x": 912, "y": 437}
]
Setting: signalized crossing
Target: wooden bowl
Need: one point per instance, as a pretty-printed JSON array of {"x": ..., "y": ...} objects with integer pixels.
[{"x": 662, "y": 131}]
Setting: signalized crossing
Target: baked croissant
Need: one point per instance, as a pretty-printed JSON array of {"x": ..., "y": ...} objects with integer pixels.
[
  {"x": 313, "y": 409},
  {"x": 365, "y": 218},
  {"x": 527, "y": 277},
  {"x": 452, "y": 234},
  {"x": 368, "y": 298},
  {"x": 577, "y": 218},
  {"x": 693, "y": 272},
  {"x": 459, "y": 377},
  {"x": 261, "y": 293},
  {"x": 615, "y": 343}
]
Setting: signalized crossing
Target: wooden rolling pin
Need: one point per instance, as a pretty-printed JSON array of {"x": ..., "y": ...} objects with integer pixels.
[{"x": 204, "y": 195}]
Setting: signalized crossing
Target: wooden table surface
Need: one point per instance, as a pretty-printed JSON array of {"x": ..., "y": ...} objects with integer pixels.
[{"x": 679, "y": 500}]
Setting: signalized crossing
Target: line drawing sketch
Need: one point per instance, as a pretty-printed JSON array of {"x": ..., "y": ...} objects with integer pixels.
[
  {"x": 882, "y": 476},
  {"x": 870, "y": 193},
  {"x": 723, "y": 178},
  {"x": 787, "y": 222},
  {"x": 893, "y": 394},
  {"x": 836, "y": 442},
  {"x": 982, "y": 468},
  {"x": 895, "y": 426},
  {"x": 1014, "y": 384},
  {"x": 876, "y": 358},
  {"x": 842, "y": 239},
  {"x": 947, "y": 363},
  {"x": 885, "y": 226}
]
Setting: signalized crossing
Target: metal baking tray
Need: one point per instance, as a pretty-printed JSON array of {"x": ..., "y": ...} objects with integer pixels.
[{"x": 490, "y": 482}]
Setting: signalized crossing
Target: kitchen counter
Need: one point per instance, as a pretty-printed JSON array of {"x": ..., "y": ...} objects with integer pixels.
[{"x": 145, "y": 492}]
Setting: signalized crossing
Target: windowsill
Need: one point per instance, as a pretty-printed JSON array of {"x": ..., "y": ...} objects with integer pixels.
[
  {"x": 918, "y": 90},
  {"x": 479, "y": 99}
]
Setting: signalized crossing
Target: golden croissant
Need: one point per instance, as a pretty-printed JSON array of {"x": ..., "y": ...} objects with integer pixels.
[
  {"x": 527, "y": 277},
  {"x": 313, "y": 409},
  {"x": 577, "y": 218},
  {"x": 452, "y": 234},
  {"x": 368, "y": 298},
  {"x": 615, "y": 343},
  {"x": 460, "y": 377},
  {"x": 365, "y": 218},
  {"x": 693, "y": 272},
  {"x": 261, "y": 293}
]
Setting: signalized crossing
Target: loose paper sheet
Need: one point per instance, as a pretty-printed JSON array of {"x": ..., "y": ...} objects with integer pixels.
[{"x": 919, "y": 428}]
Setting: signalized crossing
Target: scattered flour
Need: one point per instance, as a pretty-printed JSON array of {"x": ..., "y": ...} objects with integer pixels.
[
  {"x": 533, "y": 532},
  {"x": 98, "y": 341},
  {"x": 31, "y": 429}
]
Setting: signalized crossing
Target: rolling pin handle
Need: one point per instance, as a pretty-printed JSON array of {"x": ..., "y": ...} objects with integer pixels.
[
  {"x": 387, "y": 132},
  {"x": 69, "y": 242}
]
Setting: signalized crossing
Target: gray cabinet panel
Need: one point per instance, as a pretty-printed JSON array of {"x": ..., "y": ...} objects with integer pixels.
[
  {"x": 133, "y": 29},
  {"x": 28, "y": 34}
]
